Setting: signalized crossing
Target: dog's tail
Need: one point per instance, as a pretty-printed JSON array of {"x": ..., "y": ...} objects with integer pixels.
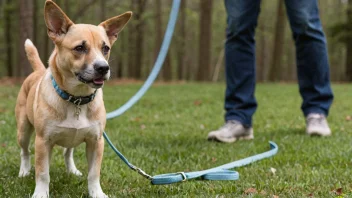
[{"x": 33, "y": 56}]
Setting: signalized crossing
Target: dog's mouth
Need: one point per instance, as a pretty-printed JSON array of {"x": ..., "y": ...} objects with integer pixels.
[{"x": 97, "y": 82}]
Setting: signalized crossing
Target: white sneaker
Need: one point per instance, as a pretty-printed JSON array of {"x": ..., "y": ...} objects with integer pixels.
[
  {"x": 230, "y": 132},
  {"x": 317, "y": 125}
]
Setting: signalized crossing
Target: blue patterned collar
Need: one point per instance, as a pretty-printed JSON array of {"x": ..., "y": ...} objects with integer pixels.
[{"x": 76, "y": 100}]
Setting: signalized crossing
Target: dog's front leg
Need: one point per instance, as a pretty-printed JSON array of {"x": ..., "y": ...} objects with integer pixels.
[
  {"x": 42, "y": 161},
  {"x": 94, "y": 152}
]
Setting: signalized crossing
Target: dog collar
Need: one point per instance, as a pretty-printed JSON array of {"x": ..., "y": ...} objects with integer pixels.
[{"x": 76, "y": 100}]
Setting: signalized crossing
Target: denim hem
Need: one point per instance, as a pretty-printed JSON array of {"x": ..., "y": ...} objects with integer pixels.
[
  {"x": 317, "y": 110},
  {"x": 246, "y": 124}
]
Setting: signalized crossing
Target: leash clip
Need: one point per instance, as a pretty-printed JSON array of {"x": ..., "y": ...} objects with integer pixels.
[
  {"x": 184, "y": 178},
  {"x": 141, "y": 172}
]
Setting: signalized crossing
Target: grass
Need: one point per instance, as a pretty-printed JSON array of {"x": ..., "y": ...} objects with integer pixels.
[{"x": 166, "y": 132}]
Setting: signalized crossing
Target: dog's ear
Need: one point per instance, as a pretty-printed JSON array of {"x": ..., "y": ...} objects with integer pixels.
[
  {"x": 56, "y": 21},
  {"x": 114, "y": 25}
]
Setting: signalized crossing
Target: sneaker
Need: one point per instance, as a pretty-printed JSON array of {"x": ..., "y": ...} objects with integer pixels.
[
  {"x": 317, "y": 125},
  {"x": 230, "y": 132}
]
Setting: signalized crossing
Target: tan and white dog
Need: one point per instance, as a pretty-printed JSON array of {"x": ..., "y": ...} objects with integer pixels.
[{"x": 78, "y": 67}]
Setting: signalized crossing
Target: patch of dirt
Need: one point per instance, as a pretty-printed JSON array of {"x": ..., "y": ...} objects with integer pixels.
[{"x": 6, "y": 81}]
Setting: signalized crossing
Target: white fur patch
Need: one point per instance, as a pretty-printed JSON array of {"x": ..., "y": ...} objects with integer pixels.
[{"x": 28, "y": 43}]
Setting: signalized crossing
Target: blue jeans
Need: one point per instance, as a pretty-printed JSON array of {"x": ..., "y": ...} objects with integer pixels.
[{"x": 311, "y": 53}]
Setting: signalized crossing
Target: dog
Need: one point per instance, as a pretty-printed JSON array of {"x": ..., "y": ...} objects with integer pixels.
[{"x": 64, "y": 104}]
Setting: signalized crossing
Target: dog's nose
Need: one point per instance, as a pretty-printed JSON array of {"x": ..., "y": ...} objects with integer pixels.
[{"x": 101, "y": 67}]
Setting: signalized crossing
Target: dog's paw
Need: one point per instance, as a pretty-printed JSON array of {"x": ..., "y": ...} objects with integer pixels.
[
  {"x": 40, "y": 195},
  {"x": 75, "y": 172},
  {"x": 24, "y": 173},
  {"x": 25, "y": 168},
  {"x": 98, "y": 195}
]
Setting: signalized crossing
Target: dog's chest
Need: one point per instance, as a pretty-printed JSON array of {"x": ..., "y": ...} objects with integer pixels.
[{"x": 72, "y": 131}]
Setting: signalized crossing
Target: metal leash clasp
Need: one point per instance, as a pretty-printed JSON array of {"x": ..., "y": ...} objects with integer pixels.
[
  {"x": 141, "y": 172},
  {"x": 184, "y": 177}
]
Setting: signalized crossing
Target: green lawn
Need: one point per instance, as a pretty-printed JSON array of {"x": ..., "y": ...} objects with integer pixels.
[{"x": 166, "y": 132}]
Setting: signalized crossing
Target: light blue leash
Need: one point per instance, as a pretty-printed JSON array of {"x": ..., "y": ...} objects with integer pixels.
[{"x": 217, "y": 173}]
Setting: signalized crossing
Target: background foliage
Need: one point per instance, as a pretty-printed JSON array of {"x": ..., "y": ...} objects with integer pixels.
[{"x": 196, "y": 51}]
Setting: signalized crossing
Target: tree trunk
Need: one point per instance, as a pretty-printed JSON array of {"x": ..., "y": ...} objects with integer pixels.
[
  {"x": 68, "y": 8},
  {"x": 102, "y": 10},
  {"x": 131, "y": 47},
  {"x": 8, "y": 38},
  {"x": 159, "y": 26},
  {"x": 82, "y": 9},
  {"x": 35, "y": 21},
  {"x": 46, "y": 51},
  {"x": 279, "y": 38},
  {"x": 139, "y": 38},
  {"x": 261, "y": 58},
  {"x": 26, "y": 31},
  {"x": 181, "y": 51},
  {"x": 349, "y": 45},
  {"x": 204, "y": 56}
]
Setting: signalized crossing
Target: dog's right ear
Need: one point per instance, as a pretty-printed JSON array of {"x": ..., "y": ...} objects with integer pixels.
[{"x": 56, "y": 21}]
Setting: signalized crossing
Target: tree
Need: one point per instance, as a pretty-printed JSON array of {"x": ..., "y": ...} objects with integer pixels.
[
  {"x": 182, "y": 36},
  {"x": 26, "y": 31},
  {"x": 275, "y": 72},
  {"x": 342, "y": 32},
  {"x": 204, "y": 56},
  {"x": 131, "y": 46},
  {"x": 139, "y": 41},
  {"x": 159, "y": 26},
  {"x": 8, "y": 9}
]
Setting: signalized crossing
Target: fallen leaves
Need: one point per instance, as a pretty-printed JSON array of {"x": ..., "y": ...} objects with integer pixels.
[
  {"x": 197, "y": 102},
  {"x": 348, "y": 118},
  {"x": 143, "y": 127},
  {"x": 338, "y": 191},
  {"x": 135, "y": 119},
  {"x": 250, "y": 191}
]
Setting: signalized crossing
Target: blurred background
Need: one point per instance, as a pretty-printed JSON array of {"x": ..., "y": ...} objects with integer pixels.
[{"x": 196, "y": 52}]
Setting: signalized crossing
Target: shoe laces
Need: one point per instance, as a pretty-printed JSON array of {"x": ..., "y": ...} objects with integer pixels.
[
  {"x": 230, "y": 124},
  {"x": 316, "y": 119}
]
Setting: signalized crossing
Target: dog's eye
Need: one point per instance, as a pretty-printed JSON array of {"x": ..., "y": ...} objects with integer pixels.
[
  {"x": 105, "y": 49},
  {"x": 80, "y": 49}
]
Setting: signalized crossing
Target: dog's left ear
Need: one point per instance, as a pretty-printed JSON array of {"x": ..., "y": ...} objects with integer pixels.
[{"x": 114, "y": 25}]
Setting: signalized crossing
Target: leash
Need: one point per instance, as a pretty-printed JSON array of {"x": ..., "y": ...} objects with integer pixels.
[{"x": 217, "y": 173}]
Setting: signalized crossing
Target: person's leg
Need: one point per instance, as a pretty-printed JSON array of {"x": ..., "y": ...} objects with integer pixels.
[
  {"x": 240, "y": 103},
  {"x": 312, "y": 58}
]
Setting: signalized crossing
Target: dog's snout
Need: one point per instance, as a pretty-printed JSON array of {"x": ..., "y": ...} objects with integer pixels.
[{"x": 101, "y": 67}]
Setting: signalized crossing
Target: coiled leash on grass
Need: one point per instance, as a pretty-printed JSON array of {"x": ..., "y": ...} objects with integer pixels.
[{"x": 217, "y": 173}]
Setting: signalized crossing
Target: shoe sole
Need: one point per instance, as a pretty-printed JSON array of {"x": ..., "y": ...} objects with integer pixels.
[
  {"x": 231, "y": 140},
  {"x": 316, "y": 133}
]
